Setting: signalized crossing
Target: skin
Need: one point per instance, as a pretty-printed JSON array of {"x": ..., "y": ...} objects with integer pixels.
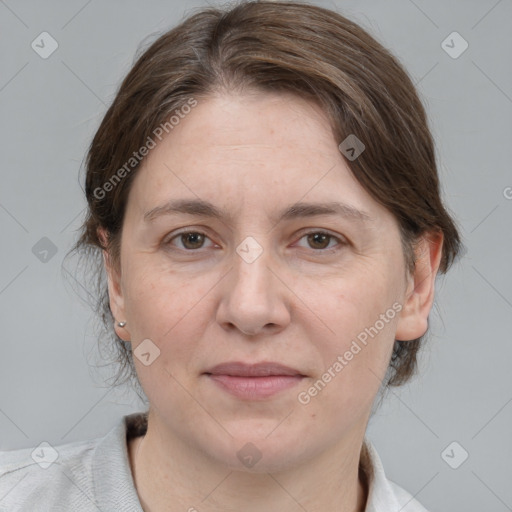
[{"x": 300, "y": 303}]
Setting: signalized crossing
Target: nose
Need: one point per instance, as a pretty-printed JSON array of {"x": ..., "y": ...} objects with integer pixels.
[{"x": 254, "y": 300}]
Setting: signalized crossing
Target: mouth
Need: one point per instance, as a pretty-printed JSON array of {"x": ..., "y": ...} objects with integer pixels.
[{"x": 254, "y": 381}]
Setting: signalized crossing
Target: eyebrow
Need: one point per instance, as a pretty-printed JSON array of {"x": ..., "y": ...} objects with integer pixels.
[{"x": 201, "y": 208}]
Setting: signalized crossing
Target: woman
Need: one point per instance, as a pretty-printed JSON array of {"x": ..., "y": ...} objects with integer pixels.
[{"x": 263, "y": 192}]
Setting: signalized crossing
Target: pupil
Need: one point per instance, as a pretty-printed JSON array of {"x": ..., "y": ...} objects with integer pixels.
[
  {"x": 193, "y": 239},
  {"x": 319, "y": 238}
]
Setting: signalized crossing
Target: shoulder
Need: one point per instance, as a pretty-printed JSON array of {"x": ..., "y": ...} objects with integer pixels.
[
  {"x": 46, "y": 476},
  {"x": 82, "y": 476}
]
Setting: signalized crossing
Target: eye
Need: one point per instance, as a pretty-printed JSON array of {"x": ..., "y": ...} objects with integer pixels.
[
  {"x": 189, "y": 240},
  {"x": 320, "y": 240}
]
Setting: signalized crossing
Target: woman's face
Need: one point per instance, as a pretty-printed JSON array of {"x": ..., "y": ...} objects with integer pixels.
[{"x": 299, "y": 266}]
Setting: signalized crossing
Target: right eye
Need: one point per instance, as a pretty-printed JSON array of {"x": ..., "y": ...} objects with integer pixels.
[{"x": 189, "y": 240}]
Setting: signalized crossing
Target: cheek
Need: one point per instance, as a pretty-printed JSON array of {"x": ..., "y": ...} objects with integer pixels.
[
  {"x": 355, "y": 350},
  {"x": 352, "y": 304},
  {"x": 155, "y": 297},
  {"x": 170, "y": 311}
]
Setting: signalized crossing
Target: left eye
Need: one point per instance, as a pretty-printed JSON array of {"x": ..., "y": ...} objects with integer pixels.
[{"x": 319, "y": 240}]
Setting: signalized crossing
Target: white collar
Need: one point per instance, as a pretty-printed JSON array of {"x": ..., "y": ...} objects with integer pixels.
[{"x": 384, "y": 495}]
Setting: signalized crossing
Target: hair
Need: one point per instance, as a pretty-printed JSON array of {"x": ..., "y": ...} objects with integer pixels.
[{"x": 282, "y": 47}]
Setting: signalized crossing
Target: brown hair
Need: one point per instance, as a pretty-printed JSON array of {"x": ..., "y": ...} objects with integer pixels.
[{"x": 275, "y": 47}]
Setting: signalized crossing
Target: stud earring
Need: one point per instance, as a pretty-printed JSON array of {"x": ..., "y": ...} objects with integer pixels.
[{"x": 121, "y": 324}]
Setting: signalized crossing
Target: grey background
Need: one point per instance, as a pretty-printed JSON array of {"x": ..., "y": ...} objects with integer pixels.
[{"x": 49, "y": 110}]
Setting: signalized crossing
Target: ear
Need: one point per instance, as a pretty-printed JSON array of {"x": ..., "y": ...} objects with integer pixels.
[
  {"x": 115, "y": 295},
  {"x": 419, "y": 297}
]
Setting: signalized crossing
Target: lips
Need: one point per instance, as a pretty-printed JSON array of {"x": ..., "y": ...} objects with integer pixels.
[
  {"x": 263, "y": 369},
  {"x": 258, "y": 381}
]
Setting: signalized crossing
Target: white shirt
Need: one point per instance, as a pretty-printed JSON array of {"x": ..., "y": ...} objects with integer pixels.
[{"x": 95, "y": 475}]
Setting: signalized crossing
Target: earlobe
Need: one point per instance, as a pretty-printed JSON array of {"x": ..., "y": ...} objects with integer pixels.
[
  {"x": 116, "y": 299},
  {"x": 419, "y": 296}
]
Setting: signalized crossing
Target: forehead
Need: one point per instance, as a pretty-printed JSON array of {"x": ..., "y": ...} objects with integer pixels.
[
  {"x": 254, "y": 128},
  {"x": 260, "y": 149}
]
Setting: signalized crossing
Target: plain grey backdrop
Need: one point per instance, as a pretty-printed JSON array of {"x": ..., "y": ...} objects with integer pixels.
[{"x": 49, "y": 110}]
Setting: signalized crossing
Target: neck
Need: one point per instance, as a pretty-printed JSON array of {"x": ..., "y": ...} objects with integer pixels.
[{"x": 171, "y": 476}]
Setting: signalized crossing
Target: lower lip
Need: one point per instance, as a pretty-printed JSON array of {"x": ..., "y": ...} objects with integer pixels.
[{"x": 254, "y": 388}]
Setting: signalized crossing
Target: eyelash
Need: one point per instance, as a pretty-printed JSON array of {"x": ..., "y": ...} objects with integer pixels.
[{"x": 341, "y": 242}]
